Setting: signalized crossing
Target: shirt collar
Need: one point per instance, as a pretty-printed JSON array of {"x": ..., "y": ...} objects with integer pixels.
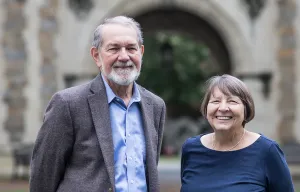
[{"x": 136, "y": 97}]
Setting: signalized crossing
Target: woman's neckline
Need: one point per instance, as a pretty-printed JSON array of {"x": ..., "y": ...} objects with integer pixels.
[{"x": 237, "y": 150}]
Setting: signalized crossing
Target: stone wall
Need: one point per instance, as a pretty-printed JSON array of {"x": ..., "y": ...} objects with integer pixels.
[
  {"x": 34, "y": 111},
  {"x": 15, "y": 57},
  {"x": 47, "y": 34},
  {"x": 297, "y": 91},
  {"x": 73, "y": 41},
  {"x": 287, "y": 68},
  {"x": 3, "y": 133}
]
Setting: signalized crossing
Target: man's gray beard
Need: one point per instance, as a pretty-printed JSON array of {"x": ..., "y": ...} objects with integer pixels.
[{"x": 131, "y": 77}]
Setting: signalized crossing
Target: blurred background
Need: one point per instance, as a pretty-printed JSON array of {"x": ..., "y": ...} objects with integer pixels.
[{"x": 44, "y": 47}]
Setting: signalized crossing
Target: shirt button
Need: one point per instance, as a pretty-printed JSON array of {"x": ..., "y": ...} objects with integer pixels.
[
  {"x": 131, "y": 181},
  {"x": 130, "y": 158},
  {"x": 129, "y": 135}
]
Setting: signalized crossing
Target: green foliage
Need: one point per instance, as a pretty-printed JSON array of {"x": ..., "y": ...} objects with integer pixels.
[{"x": 180, "y": 81}]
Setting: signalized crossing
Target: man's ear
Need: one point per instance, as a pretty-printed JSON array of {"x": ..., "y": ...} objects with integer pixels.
[
  {"x": 142, "y": 48},
  {"x": 95, "y": 55}
]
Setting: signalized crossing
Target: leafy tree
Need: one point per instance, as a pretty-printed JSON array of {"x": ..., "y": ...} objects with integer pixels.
[{"x": 176, "y": 67}]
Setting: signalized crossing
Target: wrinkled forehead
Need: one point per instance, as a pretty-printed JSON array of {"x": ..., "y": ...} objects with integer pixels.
[{"x": 118, "y": 32}]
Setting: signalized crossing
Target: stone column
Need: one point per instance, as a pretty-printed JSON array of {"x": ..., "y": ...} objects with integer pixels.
[
  {"x": 287, "y": 70},
  {"x": 48, "y": 29},
  {"x": 15, "y": 57},
  {"x": 287, "y": 83},
  {"x": 3, "y": 108}
]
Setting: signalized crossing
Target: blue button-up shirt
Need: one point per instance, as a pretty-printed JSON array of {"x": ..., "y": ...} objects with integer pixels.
[{"x": 129, "y": 142}]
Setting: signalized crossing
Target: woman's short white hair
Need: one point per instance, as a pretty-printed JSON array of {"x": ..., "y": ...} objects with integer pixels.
[{"x": 121, "y": 20}]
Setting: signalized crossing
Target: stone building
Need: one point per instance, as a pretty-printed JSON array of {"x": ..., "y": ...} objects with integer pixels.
[{"x": 45, "y": 45}]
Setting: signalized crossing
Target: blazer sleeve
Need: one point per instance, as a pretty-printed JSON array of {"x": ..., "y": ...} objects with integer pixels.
[
  {"x": 52, "y": 148},
  {"x": 161, "y": 130},
  {"x": 278, "y": 175}
]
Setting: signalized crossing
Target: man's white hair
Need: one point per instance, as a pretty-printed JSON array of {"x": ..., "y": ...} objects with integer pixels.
[{"x": 121, "y": 20}]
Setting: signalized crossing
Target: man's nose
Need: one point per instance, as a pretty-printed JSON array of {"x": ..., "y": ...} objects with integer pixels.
[{"x": 123, "y": 55}]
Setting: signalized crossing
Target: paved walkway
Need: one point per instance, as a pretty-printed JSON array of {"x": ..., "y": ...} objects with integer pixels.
[{"x": 5, "y": 166}]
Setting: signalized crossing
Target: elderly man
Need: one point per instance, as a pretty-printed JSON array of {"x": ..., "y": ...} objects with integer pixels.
[{"x": 105, "y": 135}]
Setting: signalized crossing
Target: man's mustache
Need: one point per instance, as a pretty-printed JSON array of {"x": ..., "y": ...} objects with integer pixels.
[{"x": 123, "y": 64}]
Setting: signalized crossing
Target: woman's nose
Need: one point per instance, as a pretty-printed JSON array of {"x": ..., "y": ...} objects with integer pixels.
[{"x": 223, "y": 106}]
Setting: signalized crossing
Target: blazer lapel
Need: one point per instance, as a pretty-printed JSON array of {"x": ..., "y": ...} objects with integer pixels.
[
  {"x": 149, "y": 131},
  {"x": 100, "y": 114}
]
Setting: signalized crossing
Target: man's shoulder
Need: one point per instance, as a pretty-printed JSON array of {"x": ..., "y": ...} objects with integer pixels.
[
  {"x": 72, "y": 93},
  {"x": 155, "y": 98}
]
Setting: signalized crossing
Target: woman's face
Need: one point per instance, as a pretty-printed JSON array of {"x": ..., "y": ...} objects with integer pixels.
[{"x": 225, "y": 112}]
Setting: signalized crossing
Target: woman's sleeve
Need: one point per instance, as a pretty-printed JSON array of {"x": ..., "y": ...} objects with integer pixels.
[
  {"x": 278, "y": 174},
  {"x": 183, "y": 158}
]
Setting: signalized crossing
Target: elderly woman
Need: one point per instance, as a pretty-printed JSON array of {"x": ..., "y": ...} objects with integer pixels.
[{"x": 232, "y": 159}]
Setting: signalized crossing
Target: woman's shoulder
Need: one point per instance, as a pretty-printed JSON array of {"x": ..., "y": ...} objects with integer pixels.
[
  {"x": 268, "y": 142},
  {"x": 192, "y": 140},
  {"x": 192, "y": 144}
]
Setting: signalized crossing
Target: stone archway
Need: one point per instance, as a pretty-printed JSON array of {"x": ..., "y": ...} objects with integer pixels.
[
  {"x": 210, "y": 12},
  {"x": 166, "y": 19}
]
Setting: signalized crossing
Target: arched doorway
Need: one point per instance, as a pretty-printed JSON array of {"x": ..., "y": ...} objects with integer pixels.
[
  {"x": 184, "y": 119},
  {"x": 176, "y": 20}
]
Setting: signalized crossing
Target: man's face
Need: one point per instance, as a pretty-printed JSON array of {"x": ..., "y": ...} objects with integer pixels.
[{"x": 120, "y": 56}]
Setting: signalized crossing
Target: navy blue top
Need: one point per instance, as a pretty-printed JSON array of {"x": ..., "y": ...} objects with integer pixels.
[{"x": 260, "y": 167}]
